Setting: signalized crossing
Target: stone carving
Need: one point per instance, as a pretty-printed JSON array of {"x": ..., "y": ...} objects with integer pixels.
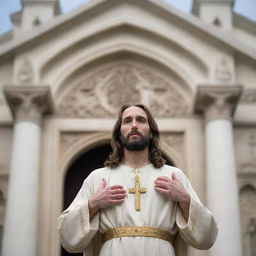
[
  {"x": 217, "y": 101},
  {"x": 28, "y": 103},
  {"x": 249, "y": 166},
  {"x": 248, "y": 213},
  {"x": 101, "y": 94},
  {"x": 25, "y": 72},
  {"x": 68, "y": 139},
  {"x": 36, "y": 21},
  {"x": 252, "y": 233},
  {"x": 222, "y": 72},
  {"x": 176, "y": 142},
  {"x": 248, "y": 96},
  {"x": 217, "y": 22}
]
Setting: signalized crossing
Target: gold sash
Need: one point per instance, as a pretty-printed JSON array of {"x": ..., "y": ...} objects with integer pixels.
[{"x": 133, "y": 231}]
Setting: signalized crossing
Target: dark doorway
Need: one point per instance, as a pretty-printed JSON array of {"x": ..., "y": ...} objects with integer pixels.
[{"x": 78, "y": 172}]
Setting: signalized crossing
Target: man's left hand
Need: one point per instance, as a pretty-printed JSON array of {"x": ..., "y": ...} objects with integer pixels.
[{"x": 174, "y": 190}]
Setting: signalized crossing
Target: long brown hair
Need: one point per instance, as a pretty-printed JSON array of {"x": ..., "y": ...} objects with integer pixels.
[{"x": 155, "y": 155}]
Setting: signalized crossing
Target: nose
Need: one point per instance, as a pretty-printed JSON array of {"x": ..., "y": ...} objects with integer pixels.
[{"x": 134, "y": 124}]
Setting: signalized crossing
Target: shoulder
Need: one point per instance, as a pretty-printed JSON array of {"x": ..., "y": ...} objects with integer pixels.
[
  {"x": 171, "y": 169},
  {"x": 98, "y": 172},
  {"x": 168, "y": 170}
]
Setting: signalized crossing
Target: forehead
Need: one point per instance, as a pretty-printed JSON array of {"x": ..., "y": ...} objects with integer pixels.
[{"x": 134, "y": 111}]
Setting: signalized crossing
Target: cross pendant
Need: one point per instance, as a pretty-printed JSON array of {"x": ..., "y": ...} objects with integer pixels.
[{"x": 137, "y": 190}]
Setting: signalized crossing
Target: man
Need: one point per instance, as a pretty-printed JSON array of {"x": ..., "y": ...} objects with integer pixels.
[{"x": 136, "y": 205}]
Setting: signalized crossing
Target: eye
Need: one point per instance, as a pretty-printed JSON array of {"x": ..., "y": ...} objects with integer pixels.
[
  {"x": 141, "y": 119},
  {"x": 126, "y": 120}
]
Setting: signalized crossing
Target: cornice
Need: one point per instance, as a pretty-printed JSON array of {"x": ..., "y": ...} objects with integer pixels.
[{"x": 225, "y": 37}]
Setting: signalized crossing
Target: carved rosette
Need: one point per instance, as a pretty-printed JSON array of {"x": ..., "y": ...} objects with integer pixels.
[
  {"x": 217, "y": 102},
  {"x": 28, "y": 102},
  {"x": 101, "y": 93}
]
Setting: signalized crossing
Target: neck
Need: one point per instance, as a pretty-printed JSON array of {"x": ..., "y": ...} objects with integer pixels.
[{"x": 136, "y": 159}]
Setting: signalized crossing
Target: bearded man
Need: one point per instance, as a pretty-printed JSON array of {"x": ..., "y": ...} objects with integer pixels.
[{"x": 136, "y": 205}]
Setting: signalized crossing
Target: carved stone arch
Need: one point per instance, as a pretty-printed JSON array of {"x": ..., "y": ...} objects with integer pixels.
[
  {"x": 59, "y": 56},
  {"x": 74, "y": 144}
]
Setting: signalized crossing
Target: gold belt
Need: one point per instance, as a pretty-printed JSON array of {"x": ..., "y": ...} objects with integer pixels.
[{"x": 133, "y": 231}]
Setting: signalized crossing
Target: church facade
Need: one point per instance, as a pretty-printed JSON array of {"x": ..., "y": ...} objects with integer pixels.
[{"x": 63, "y": 79}]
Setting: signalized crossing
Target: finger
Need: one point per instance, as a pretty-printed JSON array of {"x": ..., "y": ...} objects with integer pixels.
[
  {"x": 116, "y": 187},
  {"x": 103, "y": 183},
  {"x": 117, "y": 191},
  {"x": 117, "y": 196},
  {"x": 116, "y": 201},
  {"x": 161, "y": 190},
  {"x": 163, "y": 178},
  {"x": 162, "y": 185},
  {"x": 174, "y": 176}
]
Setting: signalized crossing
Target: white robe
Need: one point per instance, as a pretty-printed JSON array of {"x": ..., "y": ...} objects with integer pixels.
[{"x": 79, "y": 234}]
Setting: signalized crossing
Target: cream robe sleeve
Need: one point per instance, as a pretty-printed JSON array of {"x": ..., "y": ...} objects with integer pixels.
[
  {"x": 77, "y": 232},
  {"x": 201, "y": 229}
]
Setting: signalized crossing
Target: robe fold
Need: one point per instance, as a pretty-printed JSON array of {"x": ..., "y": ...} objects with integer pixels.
[{"x": 79, "y": 234}]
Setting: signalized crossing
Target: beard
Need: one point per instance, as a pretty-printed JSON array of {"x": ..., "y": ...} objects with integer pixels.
[{"x": 137, "y": 144}]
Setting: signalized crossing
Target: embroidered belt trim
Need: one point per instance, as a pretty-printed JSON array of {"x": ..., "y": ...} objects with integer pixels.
[{"x": 133, "y": 231}]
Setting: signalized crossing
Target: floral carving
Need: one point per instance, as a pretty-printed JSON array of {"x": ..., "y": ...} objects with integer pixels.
[{"x": 100, "y": 94}]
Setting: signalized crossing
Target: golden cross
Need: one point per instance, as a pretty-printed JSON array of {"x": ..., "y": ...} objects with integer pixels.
[{"x": 137, "y": 190}]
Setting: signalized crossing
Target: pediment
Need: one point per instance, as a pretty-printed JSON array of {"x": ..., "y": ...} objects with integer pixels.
[{"x": 131, "y": 12}]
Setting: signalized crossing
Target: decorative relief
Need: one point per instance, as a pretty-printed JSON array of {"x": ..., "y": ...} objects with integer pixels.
[
  {"x": 28, "y": 103},
  {"x": 176, "y": 142},
  {"x": 222, "y": 72},
  {"x": 101, "y": 94},
  {"x": 250, "y": 166},
  {"x": 68, "y": 139},
  {"x": 248, "y": 96},
  {"x": 245, "y": 140},
  {"x": 25, "y": 72},
  {"x": 217, "y": 101},
  {"x": 252, "y": 234},
  {"x": 248, "y": 217}
]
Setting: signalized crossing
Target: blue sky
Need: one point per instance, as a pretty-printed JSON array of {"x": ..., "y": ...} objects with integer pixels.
[{"x": 246, "y": 8}]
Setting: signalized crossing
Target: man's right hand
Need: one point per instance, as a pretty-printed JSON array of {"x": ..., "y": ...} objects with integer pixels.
[{"x": 105, "y": 197}]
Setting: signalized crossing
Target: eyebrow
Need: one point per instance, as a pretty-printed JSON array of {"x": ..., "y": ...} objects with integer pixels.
[{"x": 139, "y": 116}]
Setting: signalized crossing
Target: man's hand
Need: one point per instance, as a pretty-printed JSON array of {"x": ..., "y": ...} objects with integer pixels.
[
  {"x": 105, "y": 197},
  {"x": 174, "y": 190}
]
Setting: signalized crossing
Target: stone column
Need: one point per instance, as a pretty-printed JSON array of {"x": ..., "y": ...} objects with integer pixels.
[
  {"x": 27, "y": 105},
  {"x": 218, "y": 103}
]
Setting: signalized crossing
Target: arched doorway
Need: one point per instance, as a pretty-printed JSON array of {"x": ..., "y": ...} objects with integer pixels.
[{"x": 79, "y": 170}]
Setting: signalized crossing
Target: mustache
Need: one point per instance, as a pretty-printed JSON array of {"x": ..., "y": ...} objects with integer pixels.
[{"x": 134, "y": 133}]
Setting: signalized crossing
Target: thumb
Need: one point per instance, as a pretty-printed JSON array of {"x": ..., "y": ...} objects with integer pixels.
[
  {"x": 174, "y": 176},
  {"x": 104, "y": 182}
]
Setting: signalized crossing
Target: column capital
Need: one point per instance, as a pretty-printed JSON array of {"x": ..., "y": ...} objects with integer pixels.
[
  {"x": 28, "y": 102},
  {"x": 216, "y": 101}
]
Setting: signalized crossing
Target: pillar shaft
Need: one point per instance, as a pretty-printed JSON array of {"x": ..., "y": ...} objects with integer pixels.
[
  {"x": 217, "y": 103},
  {"x": 222, "y": 192},
  {"x": 21, "y": 213},
  {"x": 21, "y": 217}
]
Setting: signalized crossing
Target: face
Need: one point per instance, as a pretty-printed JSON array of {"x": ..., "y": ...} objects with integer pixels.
[{"x": 135, "y": 130}]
